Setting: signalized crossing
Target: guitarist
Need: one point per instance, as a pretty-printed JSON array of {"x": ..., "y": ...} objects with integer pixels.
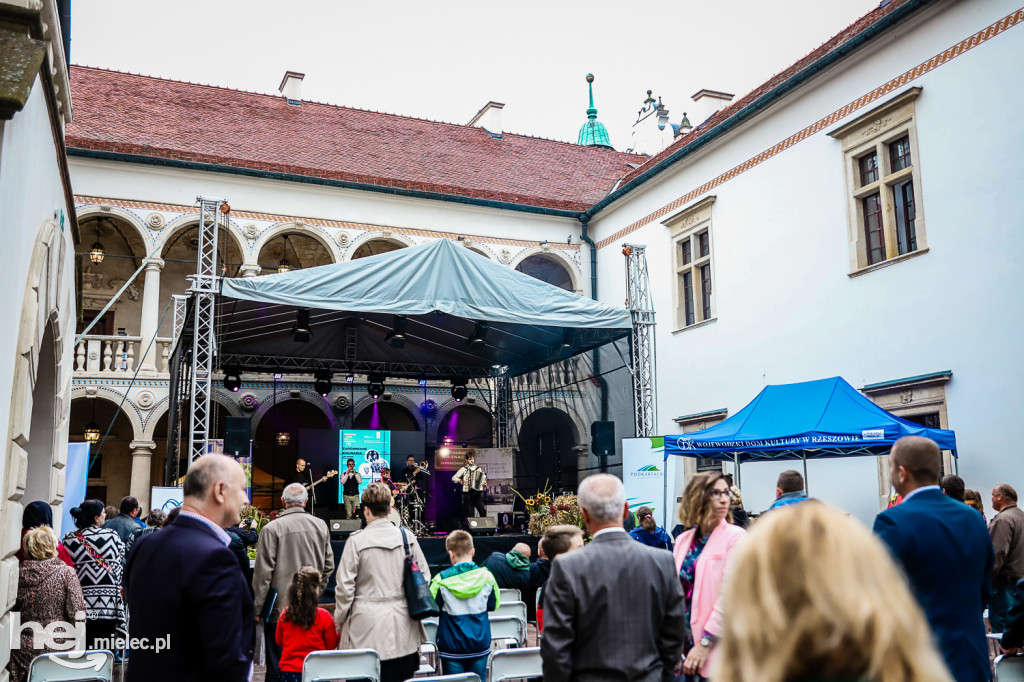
[{"x": 302, "y": 474}]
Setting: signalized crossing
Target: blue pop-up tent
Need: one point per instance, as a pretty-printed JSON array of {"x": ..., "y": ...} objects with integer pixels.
[{"x": 808, "y": 420}]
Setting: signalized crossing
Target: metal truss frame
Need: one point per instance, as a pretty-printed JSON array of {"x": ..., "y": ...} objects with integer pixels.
[
  {"x": 638, "y": 300},
  {"x": 204, "y": 342}
]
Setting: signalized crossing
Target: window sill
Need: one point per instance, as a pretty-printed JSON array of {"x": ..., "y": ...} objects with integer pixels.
[
  {"x": 887, "y": 263},
  {"x": 703, "y": 323}
]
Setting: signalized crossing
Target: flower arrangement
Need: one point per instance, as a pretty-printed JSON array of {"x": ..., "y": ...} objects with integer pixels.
[{"x": 543, "y": 511}]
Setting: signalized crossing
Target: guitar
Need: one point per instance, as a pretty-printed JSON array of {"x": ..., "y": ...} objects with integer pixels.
[{"x": 329, "y": 474}]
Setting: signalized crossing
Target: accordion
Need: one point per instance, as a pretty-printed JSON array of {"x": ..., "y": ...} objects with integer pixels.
[{"x": 473, "y": 479}]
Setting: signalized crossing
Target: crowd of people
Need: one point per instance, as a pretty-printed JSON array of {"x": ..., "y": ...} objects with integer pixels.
[{"x": 807, "y": 594}]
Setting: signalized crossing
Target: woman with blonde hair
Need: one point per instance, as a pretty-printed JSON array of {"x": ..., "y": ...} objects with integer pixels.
[
  {"x": 48, "y": 592},
  {"x": 813, "y": 595},
  {"x": 702, "y": 553}
]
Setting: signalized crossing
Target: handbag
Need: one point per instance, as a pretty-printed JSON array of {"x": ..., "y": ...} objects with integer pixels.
[{"x": 417, "y": 592}]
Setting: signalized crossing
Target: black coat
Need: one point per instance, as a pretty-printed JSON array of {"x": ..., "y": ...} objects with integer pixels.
[{"x": 185, "y": 584}]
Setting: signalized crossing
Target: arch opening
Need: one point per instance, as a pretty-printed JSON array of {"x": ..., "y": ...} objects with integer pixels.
[
  {"x": 43, "y": 434},
  {"x": 273, "y": 458},
  {"x": 467, "y": 424},
  {"x": 547, "y": 269},
  {"x": 547, "y": 452},
  {"x": 377, "y": 246},
  {"x": 293, "y": 249}
]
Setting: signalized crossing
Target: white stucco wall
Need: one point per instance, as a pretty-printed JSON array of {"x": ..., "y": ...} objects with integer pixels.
[{"x": 788, "y": 311}]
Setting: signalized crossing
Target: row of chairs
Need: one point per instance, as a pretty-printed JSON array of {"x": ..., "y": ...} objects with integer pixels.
[{"x": 364, "y": 664}]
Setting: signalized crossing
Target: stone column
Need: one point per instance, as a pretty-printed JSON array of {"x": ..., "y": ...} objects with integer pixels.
[
  {"x": 249, "y": 270},
  {"x": 150, "y": 314},
  {"x": 142, "y": 460}
]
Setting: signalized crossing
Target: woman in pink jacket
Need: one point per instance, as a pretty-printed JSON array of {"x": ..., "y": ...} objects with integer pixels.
[{"x": 702, "y": 554}]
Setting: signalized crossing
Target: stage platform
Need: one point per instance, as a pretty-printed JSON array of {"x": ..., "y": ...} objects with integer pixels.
[{"x": 437, "y": 555}]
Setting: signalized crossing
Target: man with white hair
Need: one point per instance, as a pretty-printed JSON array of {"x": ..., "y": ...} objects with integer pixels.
[
  {"x": 614, "y": 609},
  {"x": 293, "y": 540}
]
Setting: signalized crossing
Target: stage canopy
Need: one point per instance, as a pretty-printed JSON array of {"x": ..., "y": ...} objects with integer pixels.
[
  {"x": 435, "y": 310},
  {"x": 809, "y": 420}
]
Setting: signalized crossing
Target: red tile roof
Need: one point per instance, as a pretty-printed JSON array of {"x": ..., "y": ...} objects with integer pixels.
[
  {"x": 836, "y": 42},
  {"x": 130, "y": 114}
]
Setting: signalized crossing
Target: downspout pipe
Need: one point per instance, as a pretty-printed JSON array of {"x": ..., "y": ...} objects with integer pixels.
[{"x": 602, "y": 383}]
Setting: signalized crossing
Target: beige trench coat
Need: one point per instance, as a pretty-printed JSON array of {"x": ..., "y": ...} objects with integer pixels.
[
  {"x": 370, "y": 607},
  {"x": 293, "y": 540}
]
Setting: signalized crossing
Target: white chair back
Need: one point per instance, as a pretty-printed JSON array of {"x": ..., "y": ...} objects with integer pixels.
[
  {"x": 353, "y": 664},
  {"x": 512, "y": 664},
  {"x": 430, "y": 625},
  {"x": 428, "y": 659},
  {"x": 510, "y": 594},
  {"x": 461, "y": 677},
  {"x": 508, "y": 627},
  {"x": 45, "y": 668},
  {"x": 1009, "y": 668},
  {"x": 512, "y": 608}
]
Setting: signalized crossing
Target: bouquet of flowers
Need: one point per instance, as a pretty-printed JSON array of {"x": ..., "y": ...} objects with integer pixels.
[{"x": 543, "y": 511}]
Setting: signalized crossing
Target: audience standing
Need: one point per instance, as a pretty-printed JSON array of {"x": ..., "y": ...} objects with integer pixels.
[
  {"x": 48, "y": 591},
  {"x": 512, "y": 570},
  {"x": 953, "y": 486},
  {"x": 370, "y": 609},
  {"x": 612, "y": 587},
  {"x": 702, "y": 555},
  {"x": 304, "y": 627},
  {"x": 98, "y": 556},
  {"x": 1007, "y": 530},
  {"x": 243, "y": 536},
  {"x": 813, "y": 596},
  {"x": 1013, "y": 636},
  {"x": 946, "y": 553},
  {"x": 38, "y": 514},
  {"x": 739, "y": 514},
  {"x": 154, "y": 522},
  {"x": 184, "y": 583},
  {"x": 464, "y": 594},
  {"x": 789, "y": 489},
  {"x": 293, "y": 540},
  {"x": 127, "y": 521},
  {"x": 649, "y": 532}
]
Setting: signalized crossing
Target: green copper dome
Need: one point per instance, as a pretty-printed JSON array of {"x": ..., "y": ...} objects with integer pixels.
[{"x": 593, "y": 133}]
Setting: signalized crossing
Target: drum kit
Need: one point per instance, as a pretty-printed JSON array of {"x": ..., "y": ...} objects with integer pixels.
[{"x": 412, "y": 505}]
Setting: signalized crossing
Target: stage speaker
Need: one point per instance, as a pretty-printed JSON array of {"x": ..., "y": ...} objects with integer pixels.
[
  {"x": 482, "y": 525},
  {"x": 236, "y": 436},
  {"x": 512, "y": 522},
  {"x": 345, "y": 527},
  {"x": 603, "y": 444}
]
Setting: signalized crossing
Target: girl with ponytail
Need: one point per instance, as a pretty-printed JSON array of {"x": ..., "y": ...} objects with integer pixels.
[
  {"x": 304, "y": 627},
  {"x": 648, "y": 532}
]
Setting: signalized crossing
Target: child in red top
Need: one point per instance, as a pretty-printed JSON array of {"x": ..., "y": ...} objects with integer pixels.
[{"x": 304, "y": 626}]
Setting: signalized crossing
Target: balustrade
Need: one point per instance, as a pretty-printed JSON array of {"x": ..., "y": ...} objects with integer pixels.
[{"x": 97, "y": 354}]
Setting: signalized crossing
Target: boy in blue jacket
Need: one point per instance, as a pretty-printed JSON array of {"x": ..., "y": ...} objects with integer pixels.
[{"x": 464, "y": 594}]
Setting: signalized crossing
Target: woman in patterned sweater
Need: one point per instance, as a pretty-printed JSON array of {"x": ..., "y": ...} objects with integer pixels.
[{"x": 98, "y": 554}]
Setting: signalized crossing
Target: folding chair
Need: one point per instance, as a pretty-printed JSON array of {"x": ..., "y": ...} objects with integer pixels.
[
  {"x": 461, "y": 677},
  {"x": 45, "y": 668},
  {"x": 510, "y": 594},
  {"x": 430, "y": 625},
  {"x": 508, "y": 627},
  {"x": 353, "y": 664},
  {"x": 512, "y": 608},
  {"x": 513, "y": 664},
  {"x": 994, "y": 650},
  {"x": 1009, "y": 668},
  {"x": 428, "y": 659}
]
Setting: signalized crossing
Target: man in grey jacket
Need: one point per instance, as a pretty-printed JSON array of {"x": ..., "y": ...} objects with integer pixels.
[
  {"x": 614, "y": 609},
  {"x": 127, "y": 522},
  {"x": 293, "y": 540}
]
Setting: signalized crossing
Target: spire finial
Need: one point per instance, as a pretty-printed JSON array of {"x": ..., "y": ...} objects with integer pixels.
[{"x": 591, "y": 112}]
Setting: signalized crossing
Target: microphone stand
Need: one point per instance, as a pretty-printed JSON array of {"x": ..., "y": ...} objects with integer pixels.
[{"x": 312, "y": 492}]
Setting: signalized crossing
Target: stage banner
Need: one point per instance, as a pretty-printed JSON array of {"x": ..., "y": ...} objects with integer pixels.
[
  {"x": 371, "y": 451},
  {"x": 499, "y": 465},
  {"x": 76, "y": 479},
  {"x": 643, "y": 474},
  {"x": 165, "y": 498},
  {"x": 452, "y": 459}
]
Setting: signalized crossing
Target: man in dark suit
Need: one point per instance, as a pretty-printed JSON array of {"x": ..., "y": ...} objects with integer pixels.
[
  {"x": 185, "y": 588},
  {"x": 614, "y": 609},
  {"x": 946, "y": 552}
]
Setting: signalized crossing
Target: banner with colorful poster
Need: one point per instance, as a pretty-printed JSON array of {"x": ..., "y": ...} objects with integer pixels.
[
  {"x": 499, "y": 465},
  {"x": 643, "y": 474}
]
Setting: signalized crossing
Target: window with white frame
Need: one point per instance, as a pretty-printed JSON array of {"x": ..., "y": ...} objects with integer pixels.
[
  {"x": 692, "y": 261},
  {"x": 883, "y": 183}
]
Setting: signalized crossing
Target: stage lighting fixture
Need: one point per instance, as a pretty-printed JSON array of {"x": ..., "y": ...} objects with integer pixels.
[
  {"x": 422, "y": 383},
  {"x": 459, "y": 391},
  {"x": 302, "y": 333},
  {"x": 565, "y": 347},
  {"x": 322, "y": 382},
  {"x": 397, "y": 334},
  {"x": 232, "y": 379},
  {"x": 349, "y": 379},
  {"x": 375, "y": 385},
  {"x": 479, "y": 335}
]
